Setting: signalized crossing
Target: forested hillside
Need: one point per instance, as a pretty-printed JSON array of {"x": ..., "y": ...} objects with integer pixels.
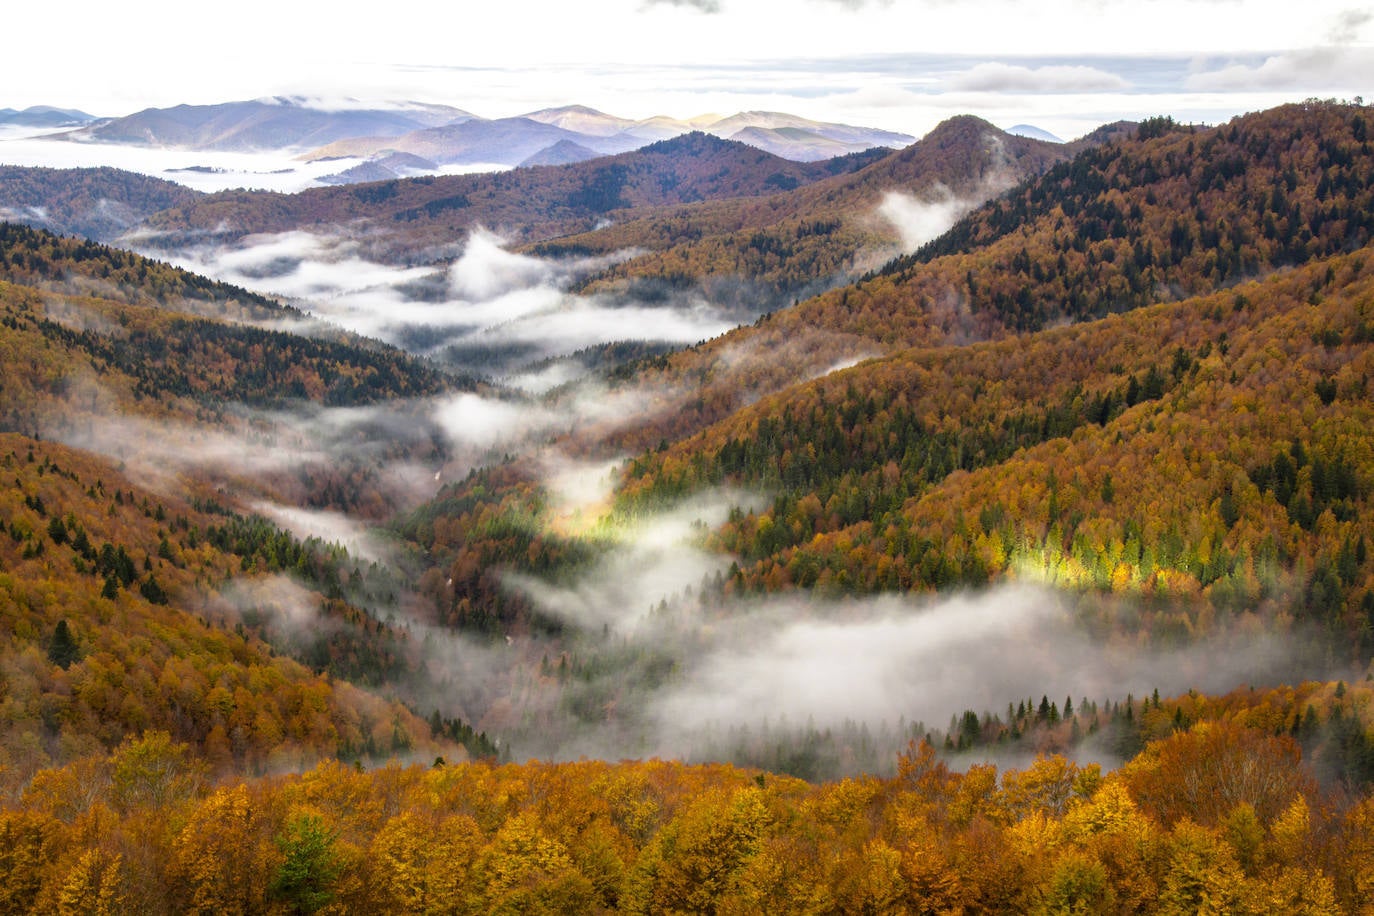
[
  {"x": 1202, "y": 460},
  {"x": 75, "y": 311},
  {"x": 787, "y": 242},
  {"x": 408, "y": 218},
  {"x": 1214, "y": 448},
  {"x": 100, "y": 204},
  {"x": 115, "y": 625},
  {"x": 1114, "y": 424},
  {"x": 1173, "y": 212},
  {"x": 123, "y": 587}
]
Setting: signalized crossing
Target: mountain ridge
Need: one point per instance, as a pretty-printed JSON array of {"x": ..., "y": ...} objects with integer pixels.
[
  {"x": 526, "y": 204},
  {"x": 285, "y": 122}
]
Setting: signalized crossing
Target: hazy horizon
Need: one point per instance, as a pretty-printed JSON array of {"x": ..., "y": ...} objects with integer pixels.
[{"x": 901, "y": 65}]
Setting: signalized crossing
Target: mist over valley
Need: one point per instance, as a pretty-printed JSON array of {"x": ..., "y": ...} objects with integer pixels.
[{"x": 569, "y": 512}]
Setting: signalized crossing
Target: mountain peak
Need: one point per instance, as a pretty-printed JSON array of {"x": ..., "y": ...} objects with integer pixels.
[
  {"x": 1032, "y": 132},
  {"x": 694, "y": 143}
]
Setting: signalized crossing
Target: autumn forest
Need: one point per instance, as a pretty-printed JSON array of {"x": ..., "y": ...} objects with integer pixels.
[{"x": 1024, "y": 567}]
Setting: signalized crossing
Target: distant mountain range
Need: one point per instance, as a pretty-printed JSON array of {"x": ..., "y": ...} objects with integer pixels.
[
  {"x": 400, "y": 218},
  {"x": 1034, "y": 133},
  {"x": 574, "y": 133},
  {"x": 44, "y": 116},
  {"x": 444, "y": 135},
  {"x": 283, "y": 122}
]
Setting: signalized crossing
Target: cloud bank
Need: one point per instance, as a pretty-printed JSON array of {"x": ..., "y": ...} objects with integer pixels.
[
  {"x": 491, "y": 312},
  {"x": 1001, "y": 77}
]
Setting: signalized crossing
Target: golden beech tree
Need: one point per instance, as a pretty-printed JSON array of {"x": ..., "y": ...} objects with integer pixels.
[
  {"x": 223, "y": 858},
  {"x": 1204, "y": 773}
]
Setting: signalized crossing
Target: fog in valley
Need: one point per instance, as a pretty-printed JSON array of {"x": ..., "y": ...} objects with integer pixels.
[
  {"x": 648, "y": 652},
  {"x": 201, "y": 170}
]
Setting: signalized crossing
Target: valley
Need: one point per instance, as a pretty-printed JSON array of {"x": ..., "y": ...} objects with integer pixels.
[{"x": 929, "y": 529}]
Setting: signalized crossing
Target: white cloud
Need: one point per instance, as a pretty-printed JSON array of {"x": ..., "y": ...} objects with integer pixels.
[
  {"x": 486, "y": 270},
  {"x": 329, "y": 527},
  {"x": 1333, "y": 69},
  {"x": 491, "y": 312},
  {"x": 1001, "y": 77},
  {"x": 283, "y": 601},
  {"x": 881, "y": 659},
  {"x": 919, "y": 221},
  {"x": 1349, "y": 25},
  {"x": 704, "y": 6},
  {"x": 620, "y": 594}
]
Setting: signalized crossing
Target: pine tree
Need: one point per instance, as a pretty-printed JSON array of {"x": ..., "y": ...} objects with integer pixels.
[
  {"x": 63, "y": 650},
  {"x": 311, "y": 865}
]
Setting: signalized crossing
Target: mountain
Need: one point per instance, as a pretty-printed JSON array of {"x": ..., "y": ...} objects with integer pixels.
[
  {"x": 663, "y": 127},
  {"x": 476, "y": 141},
  {"x": 1157, "y": 214},
  {"x": 403, "y": 217},
  {"x": 583, "y": 120},
  {"x": 384, "y": 166},
  {"x": 796, "y": 143},
  {"x": 45, "y": 116},
  {"x": 125, "y": 568},
  {"x": 101, "y": 204},
  {"x": 176, "y": 334},
  {"x": 1013, "y": 402},
  {"x": 773, "y": 124},
  {"x": 283, "y": 122},
  {"x": 1045, "y": 476},
  {"x": 811, "y": 235},
  {"x": 1117, "y": 416},
  {"x": 564, "y": 152},
  {"x": 1035, "y": 133},
  {"x": 511, "y": 141},
  {"x": 125, "y": 589}
]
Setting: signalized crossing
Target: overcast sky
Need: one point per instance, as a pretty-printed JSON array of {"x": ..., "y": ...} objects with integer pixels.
[{"x": 1065, "y": 65}]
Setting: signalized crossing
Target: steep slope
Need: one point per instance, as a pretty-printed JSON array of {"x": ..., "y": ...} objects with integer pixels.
[
  {"x": 799, "y": 238},
  {"x": 114, "y": 624},
  {"x": 1210, "y": 450},
  {"x": 865, "y": 449},
  {"x": 101, "y": 204},
  {"x": 147, "y": 317},
  {"x": 133, "y": 596},
  {"x": 111, "y": 355},
  {"x": 1169, "y": 213},
  {"x": 400, "y": 219}
]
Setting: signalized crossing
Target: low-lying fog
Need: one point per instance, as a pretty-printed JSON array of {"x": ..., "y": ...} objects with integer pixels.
[
  {"x": 653, "y": 658},
  {"x": 207, "y": 171},
  {"x": 490, "y": 312},
  {"x": 654, "y": 662}
]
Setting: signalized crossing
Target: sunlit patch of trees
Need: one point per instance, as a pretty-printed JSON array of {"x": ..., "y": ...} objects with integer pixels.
[{"x": 1210, "y": 449}]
